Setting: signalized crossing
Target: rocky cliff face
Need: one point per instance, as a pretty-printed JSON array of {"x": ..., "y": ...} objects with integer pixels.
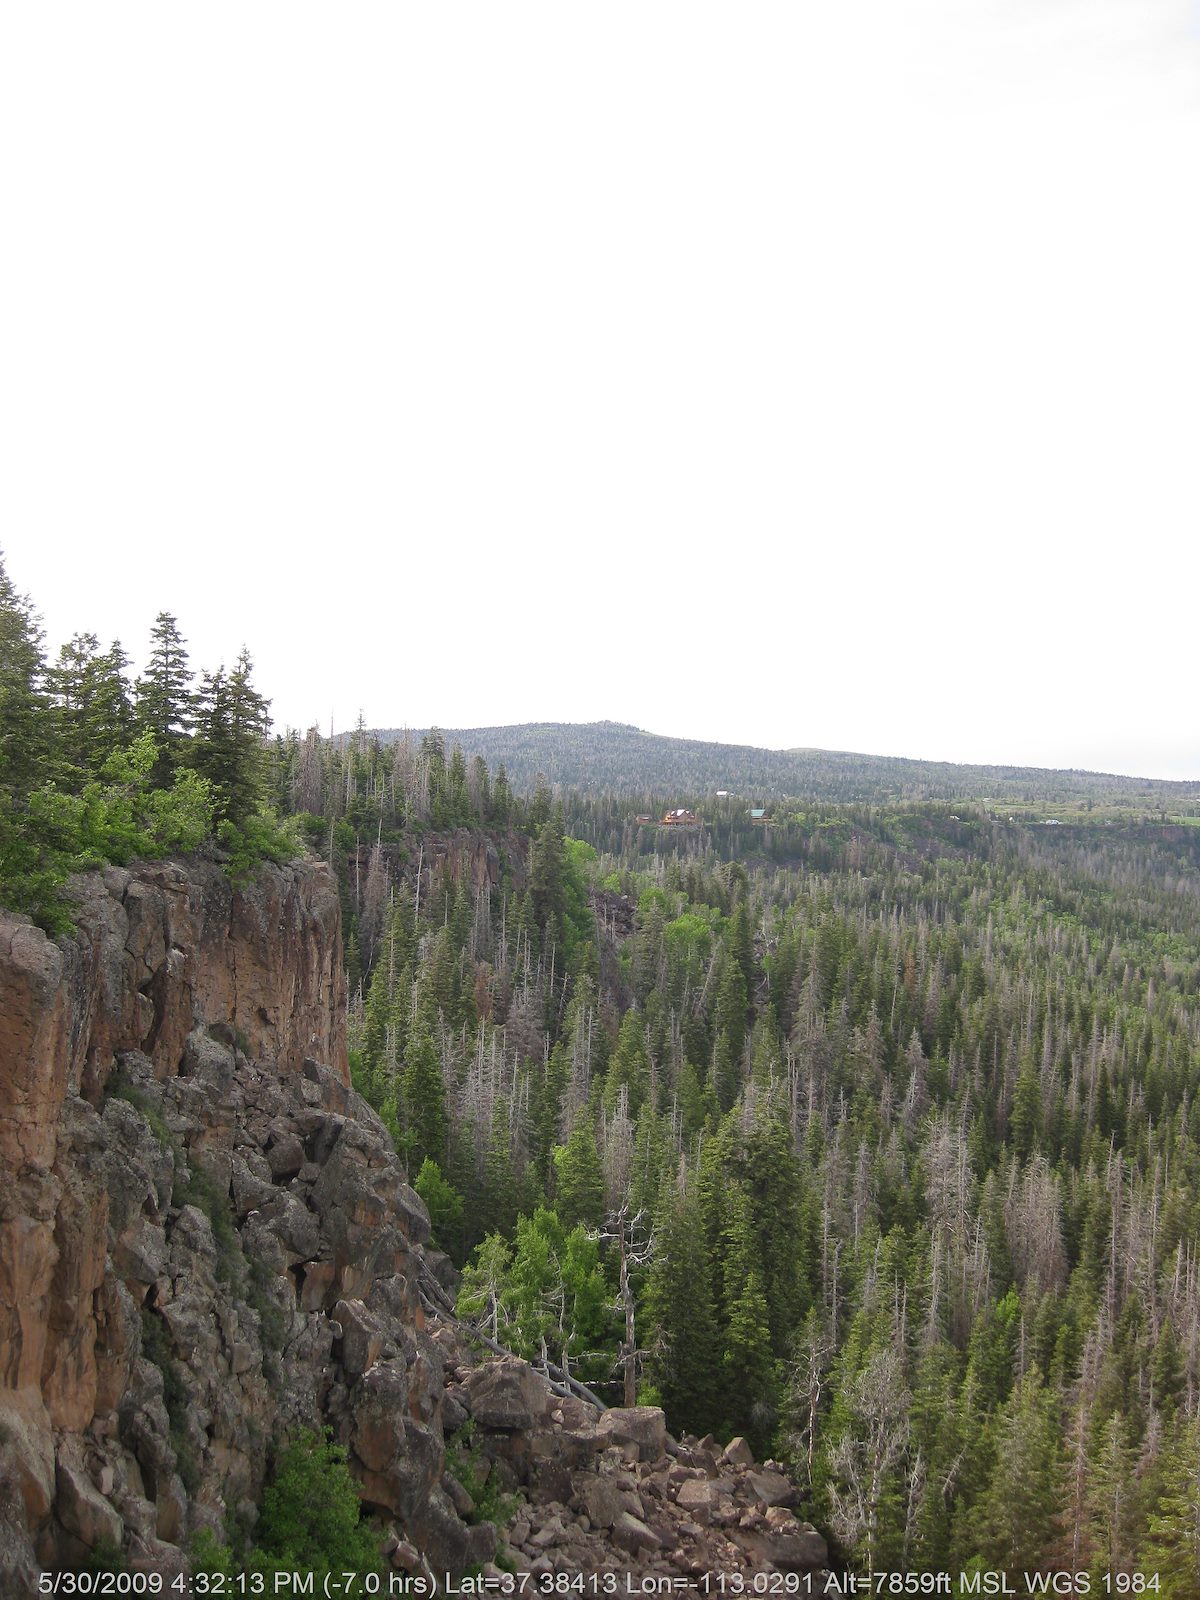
[
  {"x": 157, "y": 956},
  {"x": 206, "y": 1241},
  {"x": 191, "y": 1189}
]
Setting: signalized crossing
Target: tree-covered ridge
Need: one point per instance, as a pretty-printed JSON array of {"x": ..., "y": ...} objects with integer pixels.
[
  {"x": 893, "y": 1122},
  {"x": 617, "y": 758},
  {"x": 95, "y": 768}
]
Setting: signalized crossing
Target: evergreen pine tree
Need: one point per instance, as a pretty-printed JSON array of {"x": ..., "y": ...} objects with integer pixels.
[
  {"x": 751, "y": 1388},
  {"x": 732, "y": 1004},
  {"x": 1172, "y": 1544},
  {"x": 1015, "y": 1520},
  {"x": 424, "y": 1100},
  {"x": 546, "y": 886},
  {"x": 69, "y": 681},
  {"x": 231, "y": 727},
  {"x": 163, "y": 702},
  {"x": 501, "y": 806},
  {"x": 549, "y": 1085},
  {"x": 630, "y": 1065},
  {"x": 1111, "y": 1499},
  {"x": 27, "y": 753},
  {"x": 505, "y": 1190},
  {"x": 579, "y": 1178},
  {"x": 457, "y": 798},
  {"x": 771, "y": 1177},
  {"x": 686, "y": 1364}
]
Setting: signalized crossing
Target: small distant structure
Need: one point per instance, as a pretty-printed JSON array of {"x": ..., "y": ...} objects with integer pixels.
[
  {"x": 759, "y": 814},
  {"x": 681, "y": 817},
  {"x": 642, "y": 820},
  {"x": 722, "y": 794}
]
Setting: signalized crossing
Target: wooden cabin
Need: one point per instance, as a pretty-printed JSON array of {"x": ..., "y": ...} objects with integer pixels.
[{"x": 681, "y": 817}]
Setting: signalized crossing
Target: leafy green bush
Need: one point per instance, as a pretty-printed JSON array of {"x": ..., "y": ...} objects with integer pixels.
[
  {"x": 211, "y": 1558},
  {"x": 310, "y": 1520},
  {"x": 445, "y": 1207},
  {"x": 105, "y": 1556},
  {"x": 113, "y": 818},
  {"x": 257, "y": 838},
  {"x": 118, "y": 817}
]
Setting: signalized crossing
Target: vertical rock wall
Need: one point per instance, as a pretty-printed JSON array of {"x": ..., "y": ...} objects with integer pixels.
[{"x": 189, "y": 1225}]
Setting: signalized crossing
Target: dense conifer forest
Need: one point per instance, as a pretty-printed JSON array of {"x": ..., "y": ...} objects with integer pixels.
[
  {"x": 869, "y": 1131},
  {"x": 888, "y": 1112}
]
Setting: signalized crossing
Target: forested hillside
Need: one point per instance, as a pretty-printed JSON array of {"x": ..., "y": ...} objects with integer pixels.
[
  {"x": 871, "y": 1134},
  {"x": 892, "y": 1123},
  {"x": 616, "y": 758}
]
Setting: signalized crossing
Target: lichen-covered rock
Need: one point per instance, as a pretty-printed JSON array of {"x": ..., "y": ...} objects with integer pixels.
[
  {"x": 773, "y": 1489},
  {"x": 506, "y": 1394},
  {"x": 699, "y": 1497},
  {"x": 632, "y": 1534},
  {"x": 27, "y": 1449},
  {"x": 19, "y": 1566},
  {"x": 643, "y": 1426},
  {"x": 448, "y": 1544},
  {"x": 81, "y": 1509},
  {"x": 599, "y": 1499},
  {"x": 801, "y": 1550}
]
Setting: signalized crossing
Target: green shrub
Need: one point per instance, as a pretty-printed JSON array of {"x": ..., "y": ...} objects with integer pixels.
[
  {"x": 105, "y": 1556},
  {"x": 310, "y": 1520},
  {"x": 445, "y": 1207},
  {"x": 464, "y": 1459},
  {"x": 198, "y": 1189},
  {"x": 257, "y": 838},
  {"x": 156, "y": 1347},
  {"x": 211, "y": 1558},
  {"x": 273, "y": 1323},
  {"x": 119, "y": 1087},
  {"x": 115, "y": 817}
]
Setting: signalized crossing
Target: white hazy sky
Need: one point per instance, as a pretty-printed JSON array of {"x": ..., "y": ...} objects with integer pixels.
[{"x": 807, "y": 373}]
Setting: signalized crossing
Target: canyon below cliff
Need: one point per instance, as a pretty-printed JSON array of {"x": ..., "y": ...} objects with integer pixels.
[{"x": 207, "y": 1244}]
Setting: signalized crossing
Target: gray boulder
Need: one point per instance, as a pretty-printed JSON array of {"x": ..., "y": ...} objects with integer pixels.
[{"x": 506, "y": 1394}]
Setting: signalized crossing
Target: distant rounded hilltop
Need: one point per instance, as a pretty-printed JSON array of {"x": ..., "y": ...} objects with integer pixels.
[{"x": 624, "y": 759}]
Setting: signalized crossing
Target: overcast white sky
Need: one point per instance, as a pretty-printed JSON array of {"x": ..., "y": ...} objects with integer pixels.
[{"x": 792, "y": 374}]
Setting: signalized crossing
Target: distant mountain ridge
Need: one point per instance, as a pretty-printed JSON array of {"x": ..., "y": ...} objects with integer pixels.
[{"x": 618, "y": 757}]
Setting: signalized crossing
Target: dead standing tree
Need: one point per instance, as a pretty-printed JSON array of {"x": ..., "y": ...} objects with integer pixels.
[{"x": 635, "y": 1248}]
